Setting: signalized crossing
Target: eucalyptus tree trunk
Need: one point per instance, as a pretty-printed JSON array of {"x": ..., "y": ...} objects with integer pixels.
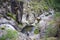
[
  {"x": 13, "y": 6},
  {"x": 17, "y": 8},
  {"x": 20, "y": 12}
]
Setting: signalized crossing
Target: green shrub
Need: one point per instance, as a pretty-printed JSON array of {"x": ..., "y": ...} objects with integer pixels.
[
  {"x": 11, "y": 34},
  {"x": 51, "y": 31}
]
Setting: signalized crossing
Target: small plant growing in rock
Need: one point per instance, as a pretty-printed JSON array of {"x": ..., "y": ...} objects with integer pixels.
[{"x": 36, "y": 31}]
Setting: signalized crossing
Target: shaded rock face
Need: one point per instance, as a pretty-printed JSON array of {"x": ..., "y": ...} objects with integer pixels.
[{"x": 27, "y": 28}]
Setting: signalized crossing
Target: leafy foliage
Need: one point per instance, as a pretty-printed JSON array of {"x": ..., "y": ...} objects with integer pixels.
[
  {"x": 38, "y": 5},
  {"x": 11, "y": 34},
  {"x": 53, "y": 3},
  {"x": 44, "y": 4}
]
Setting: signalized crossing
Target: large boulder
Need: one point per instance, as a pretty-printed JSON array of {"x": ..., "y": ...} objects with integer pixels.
[{"x": 9, "y": 23}]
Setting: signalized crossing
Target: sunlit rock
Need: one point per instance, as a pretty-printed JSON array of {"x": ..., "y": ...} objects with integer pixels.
[{"x": 31, "y": 18}]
